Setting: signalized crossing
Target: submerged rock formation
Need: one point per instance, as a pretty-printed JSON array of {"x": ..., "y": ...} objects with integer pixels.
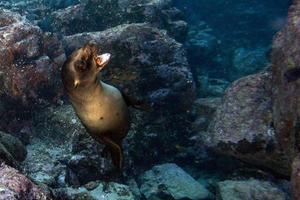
[
  {"x": 248, "y": 190},
  {"x": 12, "y": 151},
  {"x": 15, "y": 186},
  {"x": 84, "y": 17},
  {"x": 243, "y": 124},
  {"x": 168, "y": 181},
  {"x": 286, "y": 85},
  {"x": 114, "y": 191},
  {"x": 26, "y": 60}
]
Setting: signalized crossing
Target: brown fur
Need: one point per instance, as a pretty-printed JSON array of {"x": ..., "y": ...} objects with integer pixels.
[{"x": 100, "y": 107}]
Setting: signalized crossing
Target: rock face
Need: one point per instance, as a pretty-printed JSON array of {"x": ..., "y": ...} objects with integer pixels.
[
  {"x": 24, "y": 59},
  {"x": 248, "y": 190},
  {"x": 12, "y": 150},
  {"x": 15, "y": 185},
  {"x": 286, "y": 90},
  {"x": 84, "y": 17},
  {"x": 148, "y": 65},
  {"x": 243, "y": 124},
  {"x": 295, "y": 178},
  {"x": 114, "y": 191},
  {"x": 168, "y": 181}
]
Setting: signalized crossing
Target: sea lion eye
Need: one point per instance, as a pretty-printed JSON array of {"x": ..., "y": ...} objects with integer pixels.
[{"x": 80, "y": 65}]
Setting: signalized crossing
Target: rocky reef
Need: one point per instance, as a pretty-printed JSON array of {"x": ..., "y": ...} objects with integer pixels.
[{"x": 223, "y": 117}]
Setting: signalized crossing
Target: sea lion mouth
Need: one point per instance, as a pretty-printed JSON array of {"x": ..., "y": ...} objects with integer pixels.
[{"x": 103, "y": 59}]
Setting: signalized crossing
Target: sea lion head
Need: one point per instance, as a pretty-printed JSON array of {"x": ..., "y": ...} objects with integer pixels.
[{"x": 82, "y": 67}]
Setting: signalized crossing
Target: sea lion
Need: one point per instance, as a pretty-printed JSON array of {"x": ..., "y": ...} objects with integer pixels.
[{"x": 102, "y": 108}]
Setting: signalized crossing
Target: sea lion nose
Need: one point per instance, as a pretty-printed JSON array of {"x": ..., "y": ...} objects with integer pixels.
[{"x": 103, "y": 59}]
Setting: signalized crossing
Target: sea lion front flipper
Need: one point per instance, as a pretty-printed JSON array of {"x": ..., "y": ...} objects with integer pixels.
[
  {"x": 115, "y": 150},
  {"x": 136, "y": 103}
]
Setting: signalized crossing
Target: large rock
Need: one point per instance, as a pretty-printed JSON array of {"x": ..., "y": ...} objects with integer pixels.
[
  {"x": 168, "y": 181},
  {"x": 150, "y": 66},
  {"x": 99, "y": 15},
  {"x": 286, "y": 85},
  {"x": 15, "y": 186},
  {"x": 114, "y": 191},
  {"x": 248, "y": 190},
  {"x": 25, "y": 65},
  {"x": 243, "y": 124},
  {"x": 51, "y": 144},
  {"x": 29, "y": 70},
  {"x": 12, "y": 151},
  {"x": 295, "y": 178}
]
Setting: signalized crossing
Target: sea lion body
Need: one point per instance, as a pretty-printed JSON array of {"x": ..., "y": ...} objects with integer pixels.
[
  {"x": 104, "y": 111},
  {"x": 100, "y": 107}
]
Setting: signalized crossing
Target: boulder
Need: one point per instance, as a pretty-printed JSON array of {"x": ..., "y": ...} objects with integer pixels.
[
  {"x": 248, "y": 190},
  {"x": 114, "y": 191},
  {"x": 51, "y": 144},
  {"x": 286, "y": 85},
  {"x": 12, "y": 151},
  {"x": 15, "y": 185},
  {"x": 26, "y": 66},
  {"x": 205, "y": 109},
  {"x": 242, "y": 126},
  {"x": 295, "y": 177},
  {"x": 99, "y": 15},
  {"x": 14, "y": 146},
  {"x": 168, "y": 181}
]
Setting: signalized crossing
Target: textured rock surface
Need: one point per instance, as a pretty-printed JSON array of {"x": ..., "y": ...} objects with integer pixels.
[
  {"x": 286, "y": 85},
  {"x": 295, "y": 177},
  {"x": 50, "y": 148},
  {"x": 24, "y": 59},
  {"x": 243, "y": 124},
  {"x": 12, "y": 150},
  {"x": 114, "y": 191},
  {"x": 15, "y": 186},
  {"x": 83, "y": 17},
  {"x": 168, "y": 181},
  {"x": 249, "y": 190}
]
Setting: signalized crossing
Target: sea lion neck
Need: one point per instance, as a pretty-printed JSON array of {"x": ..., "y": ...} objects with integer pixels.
[{"x": 84, "y": 94}]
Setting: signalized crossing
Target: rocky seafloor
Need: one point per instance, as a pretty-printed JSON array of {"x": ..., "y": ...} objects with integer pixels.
[{"x": 224, "y": 122}]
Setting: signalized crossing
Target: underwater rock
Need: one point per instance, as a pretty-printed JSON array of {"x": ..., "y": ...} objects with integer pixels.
[
  {"x": 248, "y": 190},
  {"x": 114, "y": 191},
  {"x": 150, "y": 66},
  {"x": 14, "y": 146},
  {"x": 26, "y": 67},
  {"x": 12, "y": 150},
  {"x": 286, "y": 85},
  {"x": 205, "y": 109},
  {"x": 243, "y": 124},
  {"x": 82, "y": 169},
  {"x": 248, "y": 61},
  {"x": 211, "y": 87},
  {"x": 168, "y": 181},
  {"x": 15, "y": 186},
  {"x": 99, "y": 15},
  {"x": 295, "y": 177},
  {"x": 51, "y": 144}
]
